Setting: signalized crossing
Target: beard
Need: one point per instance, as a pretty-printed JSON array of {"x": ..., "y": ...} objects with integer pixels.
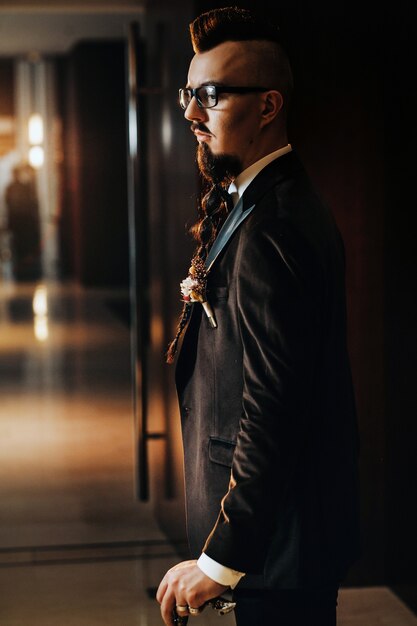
[{"x": 217, "y": 169}]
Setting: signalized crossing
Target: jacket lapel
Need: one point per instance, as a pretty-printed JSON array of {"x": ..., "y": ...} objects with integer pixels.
[
  {"x": 234, "y": 220},
  {"x": 268, "y": 177}
]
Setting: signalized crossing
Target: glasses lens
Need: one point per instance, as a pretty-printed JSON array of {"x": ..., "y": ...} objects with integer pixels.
[
  {"x": 207, "y": 96},
  {"x": 185, "y": 98}
]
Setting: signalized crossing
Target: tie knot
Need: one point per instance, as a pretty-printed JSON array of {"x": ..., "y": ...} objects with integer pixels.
[{"x": 227, "y": 198}]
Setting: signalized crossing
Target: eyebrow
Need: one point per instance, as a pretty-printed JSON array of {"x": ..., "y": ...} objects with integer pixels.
[{"x": 215, "y": 83}]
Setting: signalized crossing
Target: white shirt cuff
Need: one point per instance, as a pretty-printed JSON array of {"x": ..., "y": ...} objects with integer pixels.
[{"x": 219, "y": 573}]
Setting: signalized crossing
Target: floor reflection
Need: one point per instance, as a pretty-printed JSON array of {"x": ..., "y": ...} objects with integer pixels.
[
  {"x": 66, "y": 425},
  {"x": 117, "y": 594}
]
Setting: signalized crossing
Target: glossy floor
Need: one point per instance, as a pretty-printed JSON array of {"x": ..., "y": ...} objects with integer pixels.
[{"x": 117, "y": 594}]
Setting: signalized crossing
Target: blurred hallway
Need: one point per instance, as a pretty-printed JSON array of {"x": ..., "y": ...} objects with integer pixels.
[{"x": 76, "y": 542}]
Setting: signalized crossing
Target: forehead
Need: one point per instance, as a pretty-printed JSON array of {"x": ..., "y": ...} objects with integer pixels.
[{"x": 228, "y": 63}]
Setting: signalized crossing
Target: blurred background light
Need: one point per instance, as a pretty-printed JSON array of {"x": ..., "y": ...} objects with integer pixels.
[
  {"x": 35, "y": 129},
  {"x": 36, "y": 156}
]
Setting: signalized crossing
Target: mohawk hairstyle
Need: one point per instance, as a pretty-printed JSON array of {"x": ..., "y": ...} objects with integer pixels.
[
  {"x": 217, "y": 26},
  {"x": 230, "y": 24}
]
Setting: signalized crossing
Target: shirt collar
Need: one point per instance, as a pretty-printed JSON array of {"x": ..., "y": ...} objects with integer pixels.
[{"x": 241, "y": 182}]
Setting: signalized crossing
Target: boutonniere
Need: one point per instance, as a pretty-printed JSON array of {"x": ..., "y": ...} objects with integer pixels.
[{"x": 194, "y": 287}]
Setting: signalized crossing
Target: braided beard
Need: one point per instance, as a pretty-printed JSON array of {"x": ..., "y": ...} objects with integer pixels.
[{"x": 218, "y": 172}]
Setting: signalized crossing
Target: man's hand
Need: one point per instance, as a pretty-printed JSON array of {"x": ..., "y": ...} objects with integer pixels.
[{"x": 185, "y": 585}]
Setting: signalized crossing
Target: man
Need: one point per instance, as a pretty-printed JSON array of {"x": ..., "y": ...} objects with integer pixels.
[{"x": 263, "y": 378}]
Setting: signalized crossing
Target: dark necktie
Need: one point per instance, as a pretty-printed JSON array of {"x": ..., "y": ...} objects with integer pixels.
[{"x": 227, "y": 198}]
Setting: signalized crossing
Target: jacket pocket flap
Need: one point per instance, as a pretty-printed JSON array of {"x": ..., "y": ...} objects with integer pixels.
[{"x": 221, "y": 451}]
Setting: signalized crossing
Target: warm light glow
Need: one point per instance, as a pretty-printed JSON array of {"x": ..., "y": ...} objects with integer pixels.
[
  {"x": 36, "y": 157},
  {"x": 41, "y": 327},
  {"x": 35, "y": 129},
  {"x": 40, "y": 300},
  {"x": 166, "y": 130},
  {"x": 40, "y": 309}
]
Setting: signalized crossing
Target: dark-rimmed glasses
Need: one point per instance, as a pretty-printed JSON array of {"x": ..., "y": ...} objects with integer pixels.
[{"x": 207, "y": 96}]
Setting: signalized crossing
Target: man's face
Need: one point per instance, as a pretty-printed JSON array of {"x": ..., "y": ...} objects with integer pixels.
[{"x": 230, "y": 129}]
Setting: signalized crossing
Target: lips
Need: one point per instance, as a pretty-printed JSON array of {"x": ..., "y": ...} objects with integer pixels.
[{"x": 200, "y": 131}]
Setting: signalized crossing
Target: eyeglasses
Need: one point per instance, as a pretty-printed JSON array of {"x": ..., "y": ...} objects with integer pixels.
[{"x": 207, "y": 96}]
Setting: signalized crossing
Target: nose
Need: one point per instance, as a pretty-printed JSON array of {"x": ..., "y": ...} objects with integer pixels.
[{"x": 194, "y": 113}]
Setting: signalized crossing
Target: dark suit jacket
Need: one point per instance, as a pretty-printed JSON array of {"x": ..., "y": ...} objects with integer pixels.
[{"x": 267, "y": 405}]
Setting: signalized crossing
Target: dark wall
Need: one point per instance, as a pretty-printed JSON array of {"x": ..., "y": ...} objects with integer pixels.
[
  {"x": 337, "y": 125},
  {"x": 400, "y": 304},
  {"x": 352, "y": 123},
  {"x": 7, "y": 83},
  {"x": 95, "y": 218}
]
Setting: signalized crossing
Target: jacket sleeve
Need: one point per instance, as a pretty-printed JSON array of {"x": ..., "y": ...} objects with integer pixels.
[{"x": 279, "y": 303}]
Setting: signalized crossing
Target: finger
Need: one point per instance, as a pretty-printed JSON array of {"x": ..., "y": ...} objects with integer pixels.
[
  {"x": 167, "y": 608},
  {"x": 181, "y": 607},
  {"x": 161, "y": 590}
]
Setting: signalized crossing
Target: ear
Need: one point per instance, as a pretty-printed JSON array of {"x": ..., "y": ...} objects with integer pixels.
[{"x": 272, "y": 104}]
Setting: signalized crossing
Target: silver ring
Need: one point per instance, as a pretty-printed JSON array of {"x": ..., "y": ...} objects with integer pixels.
[
  {"x": 181, "y": 608},
  {"x": 193, "y": 611}
]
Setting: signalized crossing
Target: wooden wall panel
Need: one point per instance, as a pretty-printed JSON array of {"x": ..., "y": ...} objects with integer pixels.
[{"x": 96, "y": 175}]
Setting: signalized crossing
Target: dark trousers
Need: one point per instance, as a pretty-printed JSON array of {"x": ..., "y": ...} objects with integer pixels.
[{"x": 286, "y": 608}]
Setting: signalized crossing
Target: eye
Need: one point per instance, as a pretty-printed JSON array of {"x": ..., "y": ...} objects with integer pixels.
[{"x": 208, "y": 96}]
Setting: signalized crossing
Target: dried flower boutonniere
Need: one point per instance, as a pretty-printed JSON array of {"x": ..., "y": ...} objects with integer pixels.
[{"x": 193, "y": 289}]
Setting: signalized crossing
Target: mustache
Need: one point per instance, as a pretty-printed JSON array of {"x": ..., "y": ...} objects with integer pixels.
[{"x": 199, "y": 126}]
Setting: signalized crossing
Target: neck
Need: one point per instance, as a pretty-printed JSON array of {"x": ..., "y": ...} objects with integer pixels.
[
  {"x": 260, "y": 154},
  {"x": 269, "y": 143}
]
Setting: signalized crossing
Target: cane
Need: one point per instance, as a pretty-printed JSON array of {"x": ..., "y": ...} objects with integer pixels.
[{"x": 222, "y": 605}]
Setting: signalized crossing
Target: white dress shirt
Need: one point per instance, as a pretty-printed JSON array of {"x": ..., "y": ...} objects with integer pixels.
[
  {"x": 241, "y": 182},
  {"x": 211, "y": 568}
]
